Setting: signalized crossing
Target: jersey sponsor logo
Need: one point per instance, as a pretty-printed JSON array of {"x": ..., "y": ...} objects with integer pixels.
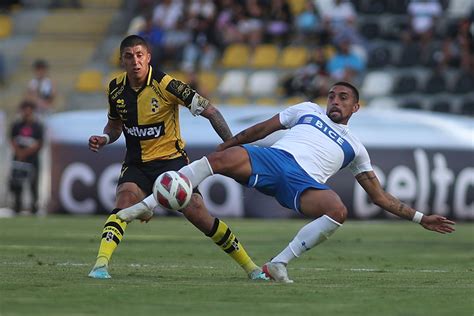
[
  {"x": 116, "y": 94},
  {"x": 145, "y": 132},
  {"x": 315, "y": 121}
]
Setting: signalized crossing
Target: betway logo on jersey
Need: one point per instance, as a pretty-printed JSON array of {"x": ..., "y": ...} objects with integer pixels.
[{"x": 145, "y": 132}]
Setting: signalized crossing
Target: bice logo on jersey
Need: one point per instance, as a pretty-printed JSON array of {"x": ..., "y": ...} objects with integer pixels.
[{"x": 145, "y": 132}]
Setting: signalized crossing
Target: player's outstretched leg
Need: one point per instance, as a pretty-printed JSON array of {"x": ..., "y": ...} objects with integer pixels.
[
  {"x": 277, "y": 271},
  {"x": 143, "y": 210},
  {"x": 112, "y": 234}
]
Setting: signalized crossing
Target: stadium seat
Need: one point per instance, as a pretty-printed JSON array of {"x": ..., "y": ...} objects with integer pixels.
[
  {"x": 6, "y": 26},
  {"x": 294, "y": 100},
  {"x": 414, "y": 104},
  {"x": 410, "y": 55},
  {"x": 443, "y": 106},
  {"x": 293, "y": 57},
  {"x": 383, "y": 103},
  {"x": 405, "y": 83},
  {"x": 208, "y": 81},
  {"x": 114, "y": 59},
  {"x": 464, "y": 83},
  {"x": 262, "y": 83},
  {"x": 377, "y": 83},
  {"x": 296, "y": 6},
  {"x": 370, "y": 29},
  {"x": 397, "y": 6},
  {"x": 235, "y": 56},
  {"x": 436, "y": 83},
  {"x": 266, "y": 101},
  {"x": 264, "y": 56},
  {"x": 232, "y": 83},
  {"x": 236, "y": 101},
  {"x": 379, "y": 57},
  {"x": 89, "y": 81},
  {"x": 101, "y": 4},
  {"x": 467, "y": 107}
]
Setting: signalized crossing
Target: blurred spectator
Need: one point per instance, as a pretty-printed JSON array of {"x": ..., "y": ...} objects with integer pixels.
[
  {"x": 202, "y": 8},
  {"x": 311, "y": 80},
  {"x": 41, "y": 89},
  {"x": 280, "y": 21},
  {"x": 167, "y": 14},
  {"x": 154, "y": 35},
  {"x": 227, "y": 22},
  {"x": 251, "y": 22},
  {"x": 423, "y": 15},
  {"x": 308, "y": 22},
  {"x": 458, "y": 46},
  {"x": 202, "y": 49},
  {"x": 339, "y": 14},
  {"x": 345, "y": 65},
  {"x": 26, "y": 138}
]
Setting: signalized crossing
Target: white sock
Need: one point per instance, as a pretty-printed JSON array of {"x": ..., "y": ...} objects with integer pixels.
[
  {"x": 309, "y": 236},
  {"x": 150, "y": 201},
  {"x": 197, "y": 171}
]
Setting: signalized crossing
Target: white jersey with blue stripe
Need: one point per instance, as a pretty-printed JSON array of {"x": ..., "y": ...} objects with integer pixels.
[{"x": 320, "y": 146}]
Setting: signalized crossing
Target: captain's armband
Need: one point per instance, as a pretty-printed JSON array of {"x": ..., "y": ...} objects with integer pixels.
[{"x": 198, "y": 104}]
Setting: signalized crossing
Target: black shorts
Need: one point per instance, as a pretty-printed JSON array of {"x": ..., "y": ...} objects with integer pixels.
[{"x": 145, "y": 174}]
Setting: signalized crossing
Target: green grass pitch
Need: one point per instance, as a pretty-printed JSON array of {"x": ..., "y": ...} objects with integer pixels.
[{"x": 167, "y": 267}]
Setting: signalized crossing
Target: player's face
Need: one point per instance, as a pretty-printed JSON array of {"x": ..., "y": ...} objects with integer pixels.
[
  {"x": 135, "y": 60},
  {"x": 341, "y": 104}
]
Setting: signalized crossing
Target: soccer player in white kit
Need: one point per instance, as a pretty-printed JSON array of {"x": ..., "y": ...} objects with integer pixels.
[{"x": 294, "y": 170}]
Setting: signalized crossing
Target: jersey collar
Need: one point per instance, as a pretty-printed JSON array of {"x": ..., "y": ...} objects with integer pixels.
[{"x": 148, "y": 80}]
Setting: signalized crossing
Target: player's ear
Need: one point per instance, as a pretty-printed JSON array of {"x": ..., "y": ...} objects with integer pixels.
[
  {"x": 356, "y": 107},
  {"x": 148, "y": 57}
]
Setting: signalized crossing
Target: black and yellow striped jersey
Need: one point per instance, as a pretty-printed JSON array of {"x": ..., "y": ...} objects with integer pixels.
[{"x": 150, "y": 116}]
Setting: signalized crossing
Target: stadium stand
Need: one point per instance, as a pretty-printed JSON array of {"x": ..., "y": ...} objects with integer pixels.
[{"x": 401, "y": 70}]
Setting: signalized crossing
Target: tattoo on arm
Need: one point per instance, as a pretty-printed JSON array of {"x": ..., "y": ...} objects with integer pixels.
[
  {"x": 220, "y": 126},
  {"x": 364, "y": 176}
]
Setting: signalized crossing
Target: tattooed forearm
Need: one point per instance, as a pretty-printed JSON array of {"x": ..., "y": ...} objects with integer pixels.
[
  {"x": 220, "y": 126},
  {"x": 400, "y": 209},
  {"x": 364, "y": 176}
]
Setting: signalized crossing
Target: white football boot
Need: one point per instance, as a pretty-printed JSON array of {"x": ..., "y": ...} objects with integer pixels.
[
  {"x": 276, "y": 271},
  {"x": 139, "y": 211}
]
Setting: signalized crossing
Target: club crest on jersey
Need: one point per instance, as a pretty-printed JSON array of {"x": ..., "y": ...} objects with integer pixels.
[{"x": 154, "y": 105}]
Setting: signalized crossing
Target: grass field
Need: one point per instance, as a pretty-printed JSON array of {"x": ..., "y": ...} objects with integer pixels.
[{"x": 167, "y": 267}]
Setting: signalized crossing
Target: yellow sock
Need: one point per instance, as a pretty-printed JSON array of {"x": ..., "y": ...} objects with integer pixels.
[
  {"x": 226, "y": 240},
  {"x": 112, "y": 234}
]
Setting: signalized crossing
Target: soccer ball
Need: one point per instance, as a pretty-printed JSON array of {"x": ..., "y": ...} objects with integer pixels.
[{"x": 172, "y": 190}]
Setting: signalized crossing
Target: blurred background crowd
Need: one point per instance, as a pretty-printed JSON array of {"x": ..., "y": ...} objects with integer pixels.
[{"x": 400, "y": 53}]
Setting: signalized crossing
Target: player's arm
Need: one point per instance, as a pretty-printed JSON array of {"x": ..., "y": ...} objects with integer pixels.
[
  {"x": 217, "y": 121},
  {"x": 254, "y": 133},
  {"x": 112, "y": 131},
  {"x": 369, "y": 182}
]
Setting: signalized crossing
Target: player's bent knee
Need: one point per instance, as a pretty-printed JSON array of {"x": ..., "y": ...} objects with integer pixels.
[{"x": 339, "y": 214}]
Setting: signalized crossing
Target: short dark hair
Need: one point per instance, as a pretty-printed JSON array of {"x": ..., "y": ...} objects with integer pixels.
[
  {"x": 40, "y": 64},
  {"x": 27, "y": 104},
  {"x": 350, "y": 86},
  {"x": 133, "y": 40}
]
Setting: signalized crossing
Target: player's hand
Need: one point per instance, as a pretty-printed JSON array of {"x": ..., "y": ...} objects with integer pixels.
[
  {"x": 96, "y": 142},
  {"x": 437, "y": 224}
]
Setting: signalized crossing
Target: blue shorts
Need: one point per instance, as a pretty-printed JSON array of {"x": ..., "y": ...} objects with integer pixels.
[{"x": 275, "y": 172}]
